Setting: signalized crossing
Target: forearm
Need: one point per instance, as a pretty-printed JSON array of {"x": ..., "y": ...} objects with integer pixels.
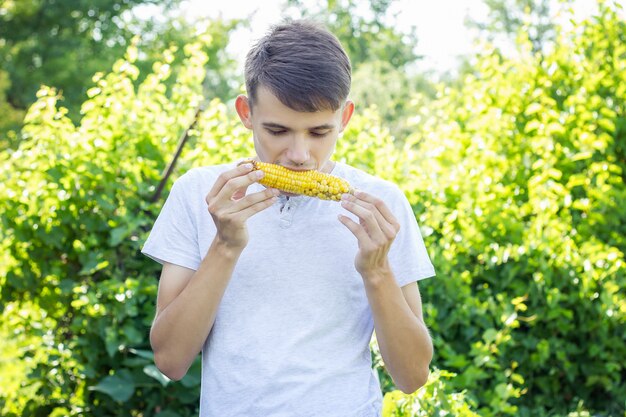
[
  {"x": 402, "y": 336},
  {"x": 181, "y": 328}
]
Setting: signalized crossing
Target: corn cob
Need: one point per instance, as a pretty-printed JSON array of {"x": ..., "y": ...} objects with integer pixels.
[{"x": 310, "y": 183}]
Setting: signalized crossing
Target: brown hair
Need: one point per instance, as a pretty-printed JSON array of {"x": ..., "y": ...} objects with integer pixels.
[{"x": 302, "y": 64}]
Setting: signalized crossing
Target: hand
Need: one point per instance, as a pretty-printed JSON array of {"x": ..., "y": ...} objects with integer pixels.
[
  {"x": 375, "y": 232},
  {"x": 230, "y": 207}
]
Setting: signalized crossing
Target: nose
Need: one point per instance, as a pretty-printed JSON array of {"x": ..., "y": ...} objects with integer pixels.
[{"x": 298, "y": 152}]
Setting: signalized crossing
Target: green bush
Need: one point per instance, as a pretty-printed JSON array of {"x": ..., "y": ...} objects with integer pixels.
[
  {"x": 76, "y": 203},
  {"x": 521, "y": 189},
  {"x": 436, "y": 398}
]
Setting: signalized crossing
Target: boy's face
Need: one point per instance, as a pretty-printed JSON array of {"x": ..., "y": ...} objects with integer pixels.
[{"x": 293, "y": 139}]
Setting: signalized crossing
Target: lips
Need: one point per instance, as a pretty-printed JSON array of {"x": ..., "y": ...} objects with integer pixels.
[{"x": 299, "y": 169}]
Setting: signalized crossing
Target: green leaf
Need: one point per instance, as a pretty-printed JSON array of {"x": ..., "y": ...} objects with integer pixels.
[
  {"x": 111, "y": 341},
  {"x": 555, "y": 129},
  {"x": 607, "y": 125},
  {"x": 533, "y": 108},
  {"x": 93, "y": 264},
  {"x": 146, "y": 354},
  {"x": 532, "y": 126},
  {"x": 116, "y": 387},
  {"x": 153, "y": 372},
  {"x": 490, "y": 335},
  {"x": 133, "y": 335},
  {"x": 119, "y": 234},
  {"x": 581, "y": 156}
]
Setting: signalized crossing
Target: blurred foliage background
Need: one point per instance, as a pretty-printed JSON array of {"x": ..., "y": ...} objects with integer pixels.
[{"x": 515, "y": 167}]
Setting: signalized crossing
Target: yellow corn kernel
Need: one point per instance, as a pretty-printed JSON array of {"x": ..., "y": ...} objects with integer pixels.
[{"x": 310, "y": 183}]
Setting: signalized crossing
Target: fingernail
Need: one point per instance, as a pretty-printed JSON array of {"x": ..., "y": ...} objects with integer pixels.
[
  {"x": 259, "y": 174},
  {"x": 247, "y": 166}
]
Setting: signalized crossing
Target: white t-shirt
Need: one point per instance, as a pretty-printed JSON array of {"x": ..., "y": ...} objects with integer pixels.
[{"x": 291, "y": 336}]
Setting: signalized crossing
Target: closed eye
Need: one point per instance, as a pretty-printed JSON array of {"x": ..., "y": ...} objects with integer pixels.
[
  {"x": 319, "y": 134},
  {"x": 276, "y": 132}
]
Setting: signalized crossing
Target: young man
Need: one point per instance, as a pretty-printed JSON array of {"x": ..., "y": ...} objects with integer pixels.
[{"x": 281, "y": 292}]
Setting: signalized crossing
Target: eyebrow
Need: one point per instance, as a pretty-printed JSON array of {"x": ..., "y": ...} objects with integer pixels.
[{"x": 279, "y": 126}]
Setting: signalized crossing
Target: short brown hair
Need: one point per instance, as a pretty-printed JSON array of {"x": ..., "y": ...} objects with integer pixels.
[{"x": 302, "y": 64}]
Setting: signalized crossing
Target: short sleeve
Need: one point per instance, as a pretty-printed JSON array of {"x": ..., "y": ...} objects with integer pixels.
[
  {"x": 408, "y": 255},
  {"x": 174, "y": 237}
]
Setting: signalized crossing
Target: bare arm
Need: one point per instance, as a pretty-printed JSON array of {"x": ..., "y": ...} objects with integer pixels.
[
  {"x": 403, "y": 338},
  {"x": 186, "y": 306},
  {"x": 188, "y": 300}
]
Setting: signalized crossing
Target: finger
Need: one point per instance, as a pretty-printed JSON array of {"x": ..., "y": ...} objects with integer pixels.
[
  {"x": 387, "y": 221},
  {"x": 252, "y": 199},
  {"x": 370, "y": 207},
  {"x": 226, "y": 176},
  {"x": 368, "y": 218},
  {"x": 379, "y": 204},
  {"x": 236, "y": 187},
  {"x": 357, "y": 230},
  {"x": 256, "y": 207}
]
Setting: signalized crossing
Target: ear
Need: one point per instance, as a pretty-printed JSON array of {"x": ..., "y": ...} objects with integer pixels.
[
  {"x": 346, "y": 114},
  {"x": 242, "y": 105}
]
